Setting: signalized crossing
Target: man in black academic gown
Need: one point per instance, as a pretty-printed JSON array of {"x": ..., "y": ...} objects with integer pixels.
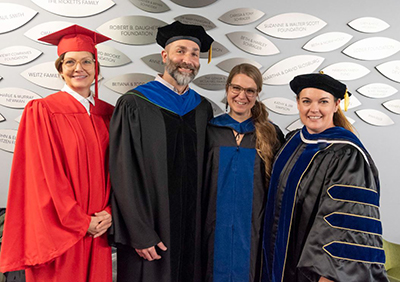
[{"x": 157, "y": 136}]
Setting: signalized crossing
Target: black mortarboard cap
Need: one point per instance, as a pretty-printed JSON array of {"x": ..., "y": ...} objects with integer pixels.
[
  {"x": 177, "y": 31},
  {"x": 319, "y": 81}
]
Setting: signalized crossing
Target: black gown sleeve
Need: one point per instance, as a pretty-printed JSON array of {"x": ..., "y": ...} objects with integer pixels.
[
  {"x": 131, "y": 198},
  {"x": 344, "y": 243}
]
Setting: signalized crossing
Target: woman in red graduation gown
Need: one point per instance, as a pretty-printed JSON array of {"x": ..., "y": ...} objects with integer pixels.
[{"x": 58, "y": 204}]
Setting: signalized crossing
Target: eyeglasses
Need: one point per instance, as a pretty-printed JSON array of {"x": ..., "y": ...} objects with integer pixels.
[
  {"x": 85, "y": 63},
  {"x": 237, "y": 89}
]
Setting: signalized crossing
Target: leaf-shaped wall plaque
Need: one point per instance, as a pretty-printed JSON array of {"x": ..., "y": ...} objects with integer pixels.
[
  {"x": 79, "y": 8},
  {"x": 155, "y": 62},
  {"x": 212, "y": 82},
  {"x": 346, "y": 71},
  {"x": 123, "y": 83},
  {"x": 241, "y": 16},
  {"x": 352, "y": 121},
  {"x": 327, "y": 42},
  {"x": 44, "y": 29},
  {"x": 217, "y": 50},
  {"x": 373, "y": 48},
  {"x": 193, "y": 3},
  {"x": 110, "y": 57},
  {"x": 152, "y": 6},
  {"x": 374, "y": 117},
  {"x": 281, "y": 105},
  {"x": 196, "y": 20},
  {"x": 7, "y": 139},
  {"x": 393, "y": 106},
  {"x": 228, "y": 64},
  {"x": 283, "y": 71},
  {"x": 377, "y": 90},
  {"x": 353, "y": 102},
  {"x": 216, "y": 109},
  {"x": 18, "y": 55},
  {"x": 369, "y": 25},
  {"x": 135, "y": 30},
  {"x": 291, "y": 25},
  {"x": 297, "y": 124},
  {"x": 253, "y": 43},
  {"x": 14, "y": 16},
  {"x": 45, "y": 75},
  {"x": 18, "y": 118},
  {"x": 390, "y": 69},
  {"x": 16, "y": 98}
]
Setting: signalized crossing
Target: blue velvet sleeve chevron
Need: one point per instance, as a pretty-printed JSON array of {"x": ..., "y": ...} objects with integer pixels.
[
  {"x": 344, "y": 242},
  {"x": 354, "y": 194}
]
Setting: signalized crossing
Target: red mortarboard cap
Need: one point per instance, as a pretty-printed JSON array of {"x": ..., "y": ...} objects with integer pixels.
[{"x": 74, "y": 38}]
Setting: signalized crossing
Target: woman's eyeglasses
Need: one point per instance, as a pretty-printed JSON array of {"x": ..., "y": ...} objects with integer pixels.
[
  {"x": 237, "y": 89},
  {"x": 85, "y": 63}
]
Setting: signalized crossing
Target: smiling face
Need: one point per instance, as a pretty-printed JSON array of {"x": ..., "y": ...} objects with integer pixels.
[
  {"x": 78, "y": 71},
  {"x": 181, "y": 58},
  {"x": 316, "y": 109},
  {"x": 240, "y": 104}
]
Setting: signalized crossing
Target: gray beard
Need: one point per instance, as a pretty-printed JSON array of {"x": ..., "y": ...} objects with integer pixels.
[{"x": 180, "y": 78}]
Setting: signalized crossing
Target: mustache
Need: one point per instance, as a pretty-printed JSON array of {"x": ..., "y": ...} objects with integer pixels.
[{"x": 185, "y": 66}]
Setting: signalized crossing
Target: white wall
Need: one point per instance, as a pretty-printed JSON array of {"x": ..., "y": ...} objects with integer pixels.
[{"x": 382, "y": 142}]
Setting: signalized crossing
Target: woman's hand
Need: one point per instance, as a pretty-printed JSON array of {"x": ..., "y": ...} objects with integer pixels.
[{"x": 99, "y": 223}]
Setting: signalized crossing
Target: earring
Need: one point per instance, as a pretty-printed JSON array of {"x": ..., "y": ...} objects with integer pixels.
[{"x": 226, "y": 106}]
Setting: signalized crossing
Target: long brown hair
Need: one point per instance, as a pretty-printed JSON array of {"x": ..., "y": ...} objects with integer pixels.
[
  {"x": 339, "y": 119},
  {"x": 266, "y": 137}
]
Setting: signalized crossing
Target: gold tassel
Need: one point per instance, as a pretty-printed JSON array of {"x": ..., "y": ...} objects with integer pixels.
[
  {"x": 209, "y": 54},
  {"x": 346, "y": 101}
]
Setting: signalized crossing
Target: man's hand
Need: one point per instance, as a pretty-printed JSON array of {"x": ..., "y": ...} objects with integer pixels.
[
  {"x": 323, "y": 279},
  {"x": 150, "y": 254}
]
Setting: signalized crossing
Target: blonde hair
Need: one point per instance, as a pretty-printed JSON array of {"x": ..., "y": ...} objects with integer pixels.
[
  {"x": 266, "y": 137},
  {"x": 339, "y": 119}
]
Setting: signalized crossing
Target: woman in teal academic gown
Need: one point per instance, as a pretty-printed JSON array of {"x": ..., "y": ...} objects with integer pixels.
[{"x": 240, "y": 150}]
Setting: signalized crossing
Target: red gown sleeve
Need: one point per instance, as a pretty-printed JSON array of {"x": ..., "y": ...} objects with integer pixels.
[{"x": 43, "y": 219}]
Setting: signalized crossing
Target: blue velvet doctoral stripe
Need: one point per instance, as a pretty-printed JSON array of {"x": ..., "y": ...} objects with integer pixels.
[
  {"x": 273, "y": 267},
  {"x": 159, "y": 94},
  {"x": 228, "y": 121},
  {"x": 356, "y": 223},
  {"x": 287, "y": 207},
  {"x": 270, "y": 215},
  {"x": 232, "y": 240},
  {"x": 354, "y": 194},
  {"x": 355, "y": 252}
]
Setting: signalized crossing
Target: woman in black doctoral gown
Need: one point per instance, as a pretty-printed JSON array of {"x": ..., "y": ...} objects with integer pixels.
[{"x": 322, "y": 216}]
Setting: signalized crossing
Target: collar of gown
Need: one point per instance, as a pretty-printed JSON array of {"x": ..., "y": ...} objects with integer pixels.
[
  {"x": 227, "y": 121},
  {"x": 84, "y": 101}
]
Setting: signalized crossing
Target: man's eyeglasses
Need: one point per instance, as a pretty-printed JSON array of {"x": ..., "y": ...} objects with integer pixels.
[
  {"x": 237, "y": 89},
  {"x": 85, "y": 63}
]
